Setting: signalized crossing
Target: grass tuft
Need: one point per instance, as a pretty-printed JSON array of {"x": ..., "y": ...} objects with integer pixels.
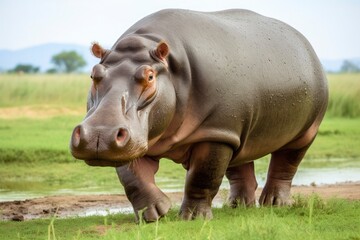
[
  {"x": 70, "y": 90},
  {"x": 344, "y": 90}
]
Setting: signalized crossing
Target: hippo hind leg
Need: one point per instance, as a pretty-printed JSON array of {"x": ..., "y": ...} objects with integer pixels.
[
  {"x": 242, "y": 185},
  {"x": 283, "y": 166}
]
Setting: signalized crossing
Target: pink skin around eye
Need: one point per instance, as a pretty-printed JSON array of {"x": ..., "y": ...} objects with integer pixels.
[{"x": 149, "y": 75}]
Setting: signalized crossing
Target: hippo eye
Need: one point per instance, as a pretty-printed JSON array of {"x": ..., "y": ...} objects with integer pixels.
[
  {"x": 145, "y": 75},
  {"x": 149, "y": 75}
]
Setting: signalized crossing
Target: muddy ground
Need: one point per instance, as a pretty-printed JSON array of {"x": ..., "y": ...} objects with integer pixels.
[{"x": 67, "y": 206}]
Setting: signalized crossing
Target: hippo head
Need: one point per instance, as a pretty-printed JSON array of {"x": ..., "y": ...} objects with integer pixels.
[{"x": 130, "y": 104}]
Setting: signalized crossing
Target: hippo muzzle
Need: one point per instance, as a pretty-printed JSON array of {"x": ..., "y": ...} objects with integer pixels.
[
  {"x": 110, "y": 135},
  {"x": 99, "y": 144}
]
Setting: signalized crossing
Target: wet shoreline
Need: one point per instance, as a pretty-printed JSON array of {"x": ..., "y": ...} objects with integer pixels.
[{"x": 307, "y": 177}]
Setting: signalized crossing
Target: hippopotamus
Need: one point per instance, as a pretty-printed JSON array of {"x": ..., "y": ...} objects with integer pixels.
[{"x": 212, "y": 91}]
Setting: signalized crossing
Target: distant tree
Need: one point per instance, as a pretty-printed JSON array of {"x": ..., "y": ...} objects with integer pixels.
[
  {"x": 51, "y": 70},
  {"x": 68, "y": 61},
  {"x": 24, "y": 68},
  {"x": 349, "y": 67}
]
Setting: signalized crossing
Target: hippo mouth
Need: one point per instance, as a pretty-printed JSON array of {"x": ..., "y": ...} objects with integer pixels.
[
  {"x": 97, "y": 160},
  {"x": 105, "y": 163},
  {"x": 109, "y": 158}
]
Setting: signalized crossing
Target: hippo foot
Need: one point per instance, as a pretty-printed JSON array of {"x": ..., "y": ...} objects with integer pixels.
[
  {"x": 242, "y": 185},
  {"x": 276, "y": 192},
  {"x": 242, "y": 198},
  {"x": 152, "y": 207},
  {"x": 195, "y": 209}
]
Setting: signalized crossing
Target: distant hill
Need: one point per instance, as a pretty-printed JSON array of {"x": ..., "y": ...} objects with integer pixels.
[{"x": 41, "y": 55}]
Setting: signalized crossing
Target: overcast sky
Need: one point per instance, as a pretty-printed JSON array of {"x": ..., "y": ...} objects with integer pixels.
[{"x": 331, "y": 26}]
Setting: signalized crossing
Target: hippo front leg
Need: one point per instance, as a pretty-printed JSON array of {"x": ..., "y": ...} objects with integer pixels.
[
  {"x": 139, "y": 183},
  {"x": 207, "y": 166}
]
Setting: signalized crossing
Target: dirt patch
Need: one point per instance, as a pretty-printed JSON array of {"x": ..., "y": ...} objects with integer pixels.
[
  {"x": 37, "y": 112},
  {"x": 67, "y": 206}
]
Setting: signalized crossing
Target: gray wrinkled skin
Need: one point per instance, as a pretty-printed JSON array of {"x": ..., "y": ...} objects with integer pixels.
[{"x": 212, "y": 91}]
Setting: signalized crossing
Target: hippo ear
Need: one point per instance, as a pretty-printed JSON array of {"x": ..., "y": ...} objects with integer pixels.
[
  {"x": 162, "y": 51},
  {"x": 97, "y": 50}
]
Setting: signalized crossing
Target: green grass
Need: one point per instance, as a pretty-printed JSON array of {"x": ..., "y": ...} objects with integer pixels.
[
  {"x": 56, "y": 90},
  {"x": 336, "y": 145},
  {"x": 344, "y": 98},
  {"x": 309, "y": 218},
  {"x": 52, "y": 134}
]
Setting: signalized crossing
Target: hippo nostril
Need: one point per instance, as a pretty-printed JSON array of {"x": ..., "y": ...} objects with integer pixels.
[
  {"x": 122, "y": 137},
  {"x": 76, "y": 136},
  {"x": 77, "y": 132}
]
